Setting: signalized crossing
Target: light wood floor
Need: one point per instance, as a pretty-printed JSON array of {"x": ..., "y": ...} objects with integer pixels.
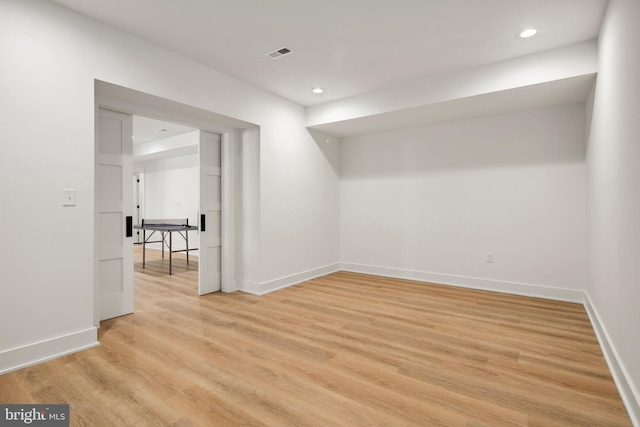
[{"x": 342, "y": 350}]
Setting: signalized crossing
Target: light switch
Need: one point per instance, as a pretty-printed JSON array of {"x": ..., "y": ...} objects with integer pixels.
[{"x": 69, "y": 197}]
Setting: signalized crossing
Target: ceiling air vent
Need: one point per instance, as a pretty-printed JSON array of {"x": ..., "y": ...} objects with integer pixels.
[{"x": 279, "y": 53}]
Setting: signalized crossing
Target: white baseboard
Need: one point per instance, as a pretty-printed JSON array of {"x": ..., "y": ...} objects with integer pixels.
[
  {"x": 524, "y": 289},
  {"x": 628, "y": 392},
  {"x": 248, "y": 286},
  {"x": 294, "y": 279},
  {"x": 32, "y": 354}
]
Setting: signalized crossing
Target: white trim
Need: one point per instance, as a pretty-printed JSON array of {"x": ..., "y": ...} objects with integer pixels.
[
  {"x": 524, "y": 289},
  {"x": 294, "y": 279},
  {"x": 248, "y": 286},
  {"x": 626, "y": 388},
  {"x": 228, "y": 212},
  {"x": 118, "y": 98},
  {"x": 32, "y": 354},
  {"x": 131, "y": 101}
]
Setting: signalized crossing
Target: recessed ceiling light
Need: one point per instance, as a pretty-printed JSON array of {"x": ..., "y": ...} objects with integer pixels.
[
  {"x": 162, "y": 130},
  {"x": 528, "y": 33},
  {"x": 317, "y": 90}
]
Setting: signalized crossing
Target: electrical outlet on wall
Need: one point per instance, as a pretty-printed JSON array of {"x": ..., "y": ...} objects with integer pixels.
[{"x": 490, "y": 257}]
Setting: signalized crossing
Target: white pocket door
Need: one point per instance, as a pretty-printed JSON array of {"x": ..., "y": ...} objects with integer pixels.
[
  {"x": 114, "y": 210},
  {"x": 210, "y": 257}
]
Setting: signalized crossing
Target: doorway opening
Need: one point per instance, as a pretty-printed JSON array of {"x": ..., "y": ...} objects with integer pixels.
[
  {"x": 215, "y": 131},
  {"x": 165, "y": 190}
]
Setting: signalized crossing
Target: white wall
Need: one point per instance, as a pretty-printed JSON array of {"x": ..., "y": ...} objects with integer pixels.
[
  {"x": 171, "y": 188},
  {"x": 298, "y": 208},
  {"x": 613, "y": 162},
  {"x": 51, "y": 59},
  {"x": 172, "y": 191},
  {"x": 430, "y": 203},
  {"x": 171, "y": 182}
]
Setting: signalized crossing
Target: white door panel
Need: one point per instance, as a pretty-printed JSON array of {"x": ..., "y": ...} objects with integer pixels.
[
  {"x": 209, "y": 264},
  {"x": 114, "y": 203}
]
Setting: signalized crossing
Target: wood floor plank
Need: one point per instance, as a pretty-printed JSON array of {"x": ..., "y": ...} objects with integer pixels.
[
  {"x": 345, "y": 349},
  {"x": 13, "y": 390},
  {"x": 480, "y": 411}
]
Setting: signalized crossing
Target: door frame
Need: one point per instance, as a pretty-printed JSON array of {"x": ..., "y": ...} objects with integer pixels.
[
  {"x": 138, "y": 206},
  {"x": 118, "y": 98}
]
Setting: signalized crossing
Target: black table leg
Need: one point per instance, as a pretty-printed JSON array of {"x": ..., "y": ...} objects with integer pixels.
[{"x": 144, "y": 246}]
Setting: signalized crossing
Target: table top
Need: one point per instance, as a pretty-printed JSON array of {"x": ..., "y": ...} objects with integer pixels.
[{"x": 166, "y": 227}]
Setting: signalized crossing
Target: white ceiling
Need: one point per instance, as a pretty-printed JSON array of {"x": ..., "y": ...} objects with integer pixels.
[
  {"x": 349, "y": 47},
  {"x": 148, "y": 130}
]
